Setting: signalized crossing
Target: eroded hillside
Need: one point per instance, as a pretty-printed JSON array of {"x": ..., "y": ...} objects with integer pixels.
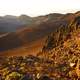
[{"x": 63, "y": 48}]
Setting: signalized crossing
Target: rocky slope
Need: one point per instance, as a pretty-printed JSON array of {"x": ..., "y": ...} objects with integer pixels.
[{"x": 63, "y": 48}]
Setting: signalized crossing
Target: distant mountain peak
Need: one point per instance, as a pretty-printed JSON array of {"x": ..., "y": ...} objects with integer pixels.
[
  {"x": 10, "y": 16},
  {"x": 24, "y": 16}
]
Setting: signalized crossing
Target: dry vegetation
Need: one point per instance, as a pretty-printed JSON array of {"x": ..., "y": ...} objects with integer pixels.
[{"x": 58, "y": 60}]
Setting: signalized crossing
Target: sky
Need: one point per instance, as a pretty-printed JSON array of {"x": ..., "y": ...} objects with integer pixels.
[{"x": 38, "y": 7}]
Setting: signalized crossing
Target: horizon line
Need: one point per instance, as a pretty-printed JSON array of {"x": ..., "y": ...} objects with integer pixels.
[{"x": 38, "y": 15}]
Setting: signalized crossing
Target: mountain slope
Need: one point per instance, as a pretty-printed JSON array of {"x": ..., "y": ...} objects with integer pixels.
[
  {"x": 58, "y": 59},
  {"x": 29, "y": 34},
  {"x": 10, "y": 23},
  {"x": 35, "y": 34},
  {"x": 63, "y": 48}
]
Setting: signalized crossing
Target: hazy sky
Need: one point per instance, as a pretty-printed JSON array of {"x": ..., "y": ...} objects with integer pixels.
[{"x": 37, "y": 7}]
